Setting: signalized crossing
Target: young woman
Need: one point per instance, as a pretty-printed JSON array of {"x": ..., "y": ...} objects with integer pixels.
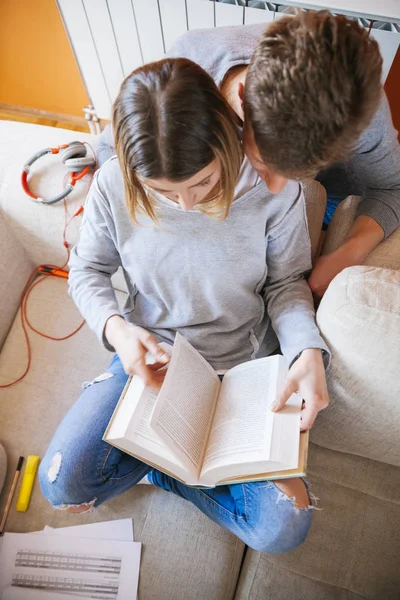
[{"x": 207, "y": 251}]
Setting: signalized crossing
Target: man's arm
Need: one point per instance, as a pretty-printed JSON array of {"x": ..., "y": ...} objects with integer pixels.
[
  {"x": 363, "y": 237},
  {"x": 376, "y": 162}
]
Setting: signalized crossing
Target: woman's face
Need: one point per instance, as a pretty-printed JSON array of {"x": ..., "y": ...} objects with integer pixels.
[{"x": 188, "y": 193}]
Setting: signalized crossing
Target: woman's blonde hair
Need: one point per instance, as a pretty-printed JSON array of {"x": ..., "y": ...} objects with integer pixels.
[{"x": 170, "y": 121}]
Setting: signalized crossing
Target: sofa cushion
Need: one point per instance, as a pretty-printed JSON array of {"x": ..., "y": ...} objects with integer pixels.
[
  {"x": 354, "y": 543},
  {"x": 185, "y": 555},
  {"x": 359, "y": 318},
  {"x": 38, "y": 228},
  {"x": 385, "y": 255}
]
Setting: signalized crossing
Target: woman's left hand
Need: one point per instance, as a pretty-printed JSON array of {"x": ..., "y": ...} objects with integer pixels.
[{"x": 307, "y": 378}]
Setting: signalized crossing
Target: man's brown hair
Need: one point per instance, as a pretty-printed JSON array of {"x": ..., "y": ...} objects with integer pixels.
[{"x": 313, "y": 85}]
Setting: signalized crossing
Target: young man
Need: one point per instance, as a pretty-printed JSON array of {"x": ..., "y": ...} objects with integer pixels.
[{"x": 308, "y": 89}]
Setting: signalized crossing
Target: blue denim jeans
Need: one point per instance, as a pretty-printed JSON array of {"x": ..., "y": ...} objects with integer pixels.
[
  {"x": 79, "y": 468},
  {"x": 332, "y": 203}
]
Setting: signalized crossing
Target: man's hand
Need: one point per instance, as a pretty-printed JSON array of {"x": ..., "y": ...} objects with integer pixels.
[
  {"x": 327, "y": 267},
  {"x": 306, "y": 378},
  {"x": 132, "y": 344},
  {"x": 363, "y": 237}
]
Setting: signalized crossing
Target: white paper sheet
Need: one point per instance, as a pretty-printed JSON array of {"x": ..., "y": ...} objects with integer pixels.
[
  {"x": 19, "y": 593},
  {"x": 77, "y": 566},
  {"x": 120, "y": 530}
]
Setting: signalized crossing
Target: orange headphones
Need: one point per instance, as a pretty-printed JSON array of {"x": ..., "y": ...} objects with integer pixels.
[{"x": 73, "y": 155}]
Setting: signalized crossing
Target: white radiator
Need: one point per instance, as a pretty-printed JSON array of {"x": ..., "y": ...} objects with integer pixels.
[{"x": 110, "y": 38}]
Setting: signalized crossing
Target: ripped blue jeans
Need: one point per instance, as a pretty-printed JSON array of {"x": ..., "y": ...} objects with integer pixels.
[{"x": 79, "y": 468}]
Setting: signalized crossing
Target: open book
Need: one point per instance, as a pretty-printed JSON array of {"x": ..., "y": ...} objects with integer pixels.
[{"x": 205, "y": 432}]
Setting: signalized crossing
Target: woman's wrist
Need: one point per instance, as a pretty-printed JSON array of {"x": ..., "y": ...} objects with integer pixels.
[
  {"x": 113, "y": 327},
  {"x": 312, "y": 354}
]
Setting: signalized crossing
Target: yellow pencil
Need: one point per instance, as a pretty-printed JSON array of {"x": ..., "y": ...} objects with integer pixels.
[{"x": 11, "y": 495}]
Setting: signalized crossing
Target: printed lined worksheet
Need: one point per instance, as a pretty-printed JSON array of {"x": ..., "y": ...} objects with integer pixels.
[{"x": 63, "y": 566}]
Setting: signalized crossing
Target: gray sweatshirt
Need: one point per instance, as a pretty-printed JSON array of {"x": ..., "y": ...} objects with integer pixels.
[
  {"x": 371, "y": 171},
  {"x": 227, "y": 286}
]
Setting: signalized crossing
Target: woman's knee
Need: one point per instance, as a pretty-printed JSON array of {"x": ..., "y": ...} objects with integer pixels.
[
  {"x": 71, "y": 471},
  {"x": 61, "y": 486},
  {"x": 279, "y": 521},
  {"x": 296, "y": 490},
  {"x": 280, "y": 534}
]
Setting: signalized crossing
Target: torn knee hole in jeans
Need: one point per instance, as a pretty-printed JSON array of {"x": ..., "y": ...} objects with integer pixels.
[
  {"x": 282, "y": 497},
  {"x": 52, "y": 474},
  {"x": 98, "y": 379},
  {"x": 54, "y": 468},
  {"x": 87, "y": 506}
]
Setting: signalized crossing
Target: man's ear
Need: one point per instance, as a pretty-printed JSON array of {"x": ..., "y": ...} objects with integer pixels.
[{"x": 241, "y": 94}]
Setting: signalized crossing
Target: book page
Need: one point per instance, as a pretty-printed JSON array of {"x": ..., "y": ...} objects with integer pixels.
[
  {"x": 130, "y": 431},
  {"x": 242, "y": 426},
  {"x": 139, "y": 430},
  {"x": 186, "y": 403},
  {"x": 286, "y": 473},
  {"x": 286, "y": 421}
]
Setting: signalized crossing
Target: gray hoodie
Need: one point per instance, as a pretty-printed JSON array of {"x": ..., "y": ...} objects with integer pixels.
[{"x": 227, "y": 286}]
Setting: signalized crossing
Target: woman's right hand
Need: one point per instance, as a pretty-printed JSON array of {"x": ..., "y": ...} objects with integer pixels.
[{"x": 132, "y": 343}]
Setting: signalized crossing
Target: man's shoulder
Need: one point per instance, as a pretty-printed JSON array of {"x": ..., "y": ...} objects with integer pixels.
[
  {"x": 219, "y": 48},
  {"x": 378, "y": 131},
  {"x": 218, "y": 36}
]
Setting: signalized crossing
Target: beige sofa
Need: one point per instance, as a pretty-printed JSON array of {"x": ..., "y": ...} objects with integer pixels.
[{"x": 353, "y": 549}]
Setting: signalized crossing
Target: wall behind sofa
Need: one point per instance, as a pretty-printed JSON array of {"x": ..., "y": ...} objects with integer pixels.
[
  {"x": 38, "y": 69},
  {"x": 37, "y": 66}
]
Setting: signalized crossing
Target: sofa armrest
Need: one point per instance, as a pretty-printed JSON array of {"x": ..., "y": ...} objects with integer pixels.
[
  {"x": 340, "y": 224},
  {"x": 359, "y": 318},
  {"x": 15, "y": 268},
  {"x": 315, "y": 197},
  {"x": 386, "y": 255}
]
